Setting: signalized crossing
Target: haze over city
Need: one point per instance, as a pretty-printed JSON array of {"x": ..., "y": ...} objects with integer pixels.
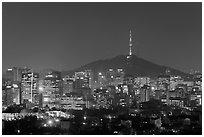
[{"x": 64, "y": 36}]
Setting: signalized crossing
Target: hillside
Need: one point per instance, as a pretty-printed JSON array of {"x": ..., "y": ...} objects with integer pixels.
[{"x": 133, "y": 66}]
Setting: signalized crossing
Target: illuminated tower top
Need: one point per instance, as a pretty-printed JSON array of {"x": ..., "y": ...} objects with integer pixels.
[{"x": 130, "y": 44}]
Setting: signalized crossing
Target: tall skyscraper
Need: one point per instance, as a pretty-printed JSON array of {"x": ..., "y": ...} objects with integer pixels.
[
  {"x": 145, "y": 93},
  {"x": 12, "y": 86},
  {"x": 14, "y": 74},
  {"x": 91, "y": 78},
  {"x": 81, "y": 80},
  {"x": 163, "y": 83},
  {"x": 30, "y": 87},
  {"x": 68, "y": 85},
  {"x": 51, "y": 89}
]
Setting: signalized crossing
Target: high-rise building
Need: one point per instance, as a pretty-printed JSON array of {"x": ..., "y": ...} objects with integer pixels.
[
  {"x": 174, "y": 81},
  {"x": 6, "y": 85},
  {"x": 177, "y": 97},
  {"x": 91, "y": 77},
  {"x": 72, "y": 101},
  {"x": 8, "y": 97},
  {"x": 11, "y": 93},
  {"x": 14, "y": 74},
  {"x": 16, "y": 88},
  {"x": 54, "y": 80},
  {"x": 9, "y": 74},
  {"x": 68, "y": 85},
  {"x": 29, "y": 86},
  {"x": 51, "y": 88},
  {"x": 145, "y": 93},
  {"x": 81, "y": 80},
  {"x": 163, "y": 83},
  {"x": 118, "y": 77},
  {"x": 102, "y": 98},
  {"x": 101, "y": 79}
]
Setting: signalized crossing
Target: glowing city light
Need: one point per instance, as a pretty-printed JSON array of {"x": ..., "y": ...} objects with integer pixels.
[
  {"x": 46, "y": 99},
  {"x": 40, "y": 88},
  {"x": 9, "y": 69},
  {"x": 45, "y": 125},
  {"x": 57, "y": 120},
  {"x": 15, "y": 85},
  {"x": 8, "y": 86},
  {"x": 50, "y": 122},
  {"x": 153, "y": 88}
]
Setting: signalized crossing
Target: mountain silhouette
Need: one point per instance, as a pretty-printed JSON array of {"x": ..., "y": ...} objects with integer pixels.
[{"x": 134, "y": 66}]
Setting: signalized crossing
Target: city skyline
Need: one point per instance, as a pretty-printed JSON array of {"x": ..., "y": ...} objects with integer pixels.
[
  {"x": 64, "y": 36},
  {"x": 99, "y": 68}
]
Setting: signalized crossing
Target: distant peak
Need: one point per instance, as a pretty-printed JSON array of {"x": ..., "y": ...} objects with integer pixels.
[{"x": 132, "y": 65}]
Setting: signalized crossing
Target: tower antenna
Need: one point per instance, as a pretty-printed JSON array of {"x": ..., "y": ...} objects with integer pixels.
[{"x": 130, "y": 44}]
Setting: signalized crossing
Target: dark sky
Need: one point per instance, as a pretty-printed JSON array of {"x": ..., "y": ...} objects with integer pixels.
[{"x": 64, "y": 36}]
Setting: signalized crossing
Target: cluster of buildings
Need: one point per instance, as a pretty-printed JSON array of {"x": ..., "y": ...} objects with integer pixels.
[
  {"x": 19, "y": 86},
  {"x": 23, "y": 86},
  {"x": 109, "y": 89},
  {"x": 169, "y": 89}
]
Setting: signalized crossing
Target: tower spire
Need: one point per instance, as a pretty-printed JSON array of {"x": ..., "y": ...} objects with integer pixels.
[{"x": 130, "y": 44}]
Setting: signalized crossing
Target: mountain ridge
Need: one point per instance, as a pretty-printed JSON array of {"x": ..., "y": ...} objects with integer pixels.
[{"x": 133, "y": 66}]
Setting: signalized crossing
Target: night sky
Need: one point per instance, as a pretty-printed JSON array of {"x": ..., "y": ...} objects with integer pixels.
[{"x": 64, "y": 36}]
